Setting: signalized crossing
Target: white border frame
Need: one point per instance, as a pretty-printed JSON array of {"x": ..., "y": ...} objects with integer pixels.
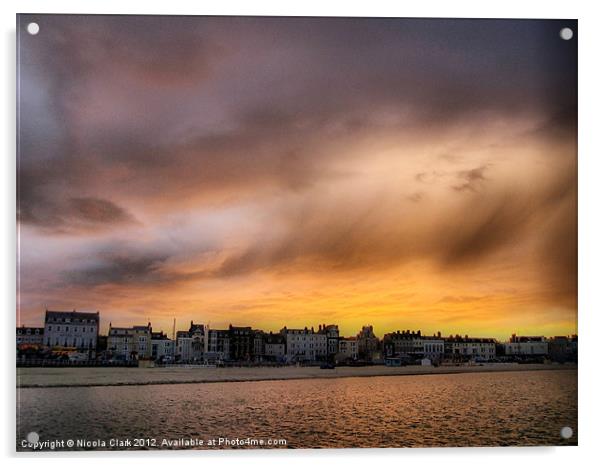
[{"x": 590, "y": 231}]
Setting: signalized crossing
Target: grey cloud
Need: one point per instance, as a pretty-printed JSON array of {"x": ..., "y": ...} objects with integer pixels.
[
  {"x": 470, "y": 180},
  {"x": 485, "y": 230},
  {"x": 113, "y": 268},
  {"x": 95, "y": 210},
  {"x": 72, "y": 215},
  {"x": 306, "y": 84}
]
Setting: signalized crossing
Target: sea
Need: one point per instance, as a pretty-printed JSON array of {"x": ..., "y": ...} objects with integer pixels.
[{"x": 453, "y": 410}]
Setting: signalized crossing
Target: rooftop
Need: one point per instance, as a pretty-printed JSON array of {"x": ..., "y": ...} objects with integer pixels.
[
  {"x": 30, "y": 330},
  {"x": 74, "y": 315}
]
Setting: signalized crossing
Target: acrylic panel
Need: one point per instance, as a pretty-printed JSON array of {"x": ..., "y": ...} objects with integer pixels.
[{"x": 295, "y": 232}]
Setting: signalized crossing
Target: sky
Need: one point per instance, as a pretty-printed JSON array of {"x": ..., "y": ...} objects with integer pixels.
[{"x": 402, "y": 173}]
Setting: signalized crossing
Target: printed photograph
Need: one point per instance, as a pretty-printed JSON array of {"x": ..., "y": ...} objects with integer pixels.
[{"x": 295, "y": 232}]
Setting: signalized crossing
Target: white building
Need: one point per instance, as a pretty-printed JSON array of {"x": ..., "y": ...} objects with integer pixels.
[
  {"x": 464, "y": 348},
  {"x": 218, "y": 345},
  {"x": 71, "y": 329},
  {"x": 305, "y": 345},
  {"x": 433, "y": 348},
  {"x": 33, "y": 336},
  {"x": 163, "y": 348},
  {"x": 183, "y": 346},
  {"x": 526, "y": 346},
  {"x": 191, "y": 345}
]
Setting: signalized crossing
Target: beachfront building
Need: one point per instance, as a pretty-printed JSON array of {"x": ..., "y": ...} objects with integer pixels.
[
  {"x": 218, "y": 345},
  {"x": 563, "y": 348},
  {"x": 130, "y": 343},
  {"x": 433, "y": 348},
  {"x": 413, "y": 346},
  {"x": 30, "y": 336},
  {"x": 241, "y": 343},
  {"x": 332, "y": 338},
  {"x": 459, "y": 348},
  {"x": 305, "y": 345},
  {"x": 523, "y": 347},
  {"x": 191, "y": 344},
  {"x": 348, "y": 349},
  {"x": 275, "y": 347},
  {"x": 183, "y": 346},
  {"x": 368, "y": 344},
  {"x": 71, "y": 329},
  {"x": 404, "y": 344},
  {"x": 162, "y": 347},
  {"x": 258, "y": 345}
]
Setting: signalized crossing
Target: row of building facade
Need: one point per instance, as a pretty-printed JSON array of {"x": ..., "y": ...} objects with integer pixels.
[{"x": 74, "y": 332}]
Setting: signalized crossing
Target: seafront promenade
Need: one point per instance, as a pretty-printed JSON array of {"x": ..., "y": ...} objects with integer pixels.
[{"x": 30, "y": 377}]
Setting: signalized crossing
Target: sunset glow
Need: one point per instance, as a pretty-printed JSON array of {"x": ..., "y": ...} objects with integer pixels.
[{"x": 403, "y": 174}]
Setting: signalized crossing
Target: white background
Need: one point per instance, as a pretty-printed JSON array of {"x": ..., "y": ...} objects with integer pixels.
[{"x": 590, "y": 234}]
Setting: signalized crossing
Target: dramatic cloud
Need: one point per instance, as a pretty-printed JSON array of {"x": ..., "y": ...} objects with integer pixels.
[
  {"x": 74, "y": 214},
  {"x": 119, "y": 270},
  {"x": 403, "y": 172}
]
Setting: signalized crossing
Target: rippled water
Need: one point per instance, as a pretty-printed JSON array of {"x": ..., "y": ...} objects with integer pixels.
[{"x": 477, "y": 409}]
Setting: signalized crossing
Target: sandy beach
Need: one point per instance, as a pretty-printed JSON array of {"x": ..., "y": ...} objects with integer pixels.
[{"x": 37, "y": 377}]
